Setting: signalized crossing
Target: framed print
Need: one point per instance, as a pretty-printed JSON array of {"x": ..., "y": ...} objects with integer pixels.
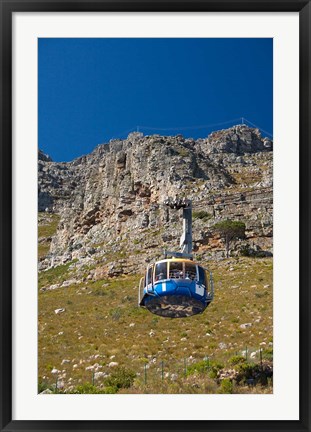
[{"x": 155, "y": 215}]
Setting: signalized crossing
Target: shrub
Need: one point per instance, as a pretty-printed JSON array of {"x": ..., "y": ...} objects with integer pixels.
[
  {"x": 245, "y": 251},
  {"x": 226, "y": 386},
  {"x": 237, "y": 359},
  {"x": 215, "y": 367},
  {"x": 204, "y": 366},
  {"x": 200, "y": 367},
  {"x": 247, "y": 371},
  {"x": 111, "y": 390},
  {"x": 267, "y": 354},
  {"x": 201, "y": 214},
  {"x": 120, "y": 378},
  {"x": 86, "y": 388},
  {"x": 89, "y": 388}
]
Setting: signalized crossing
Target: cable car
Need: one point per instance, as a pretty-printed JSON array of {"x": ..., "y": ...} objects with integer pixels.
[{"x": 176, "y": 286}]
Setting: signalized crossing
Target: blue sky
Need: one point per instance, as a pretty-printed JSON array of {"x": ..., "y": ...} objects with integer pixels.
[{"x": 93, "y": 90}]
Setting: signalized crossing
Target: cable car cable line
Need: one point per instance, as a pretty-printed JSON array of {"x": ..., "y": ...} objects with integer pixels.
[
  {"x": 189, "y": 127},
  {"x": 140, "y": 128}
]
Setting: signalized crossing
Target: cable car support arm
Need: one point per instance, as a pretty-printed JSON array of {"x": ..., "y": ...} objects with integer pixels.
[{"x": 186, "y": 237}]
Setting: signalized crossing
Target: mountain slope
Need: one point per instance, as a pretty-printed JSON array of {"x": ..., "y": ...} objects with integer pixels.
[
  {"x": 112, "y": 199},
  {"x": 102, "y": 219}
]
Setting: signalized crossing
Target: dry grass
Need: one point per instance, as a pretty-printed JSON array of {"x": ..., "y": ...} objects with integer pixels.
[
  {"x": 48, "y": 224},
  {"x": 47, "y": 227},
  {"x": 102, "y": 319}
]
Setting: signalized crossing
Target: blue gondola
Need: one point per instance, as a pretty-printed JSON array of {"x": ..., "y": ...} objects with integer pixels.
[{"x": 177, "y": 287}]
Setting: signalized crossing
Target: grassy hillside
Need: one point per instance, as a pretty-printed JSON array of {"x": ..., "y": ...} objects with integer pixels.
[
  {"x": 100, "y": 341},
  {"x": 47, "y": 226}
]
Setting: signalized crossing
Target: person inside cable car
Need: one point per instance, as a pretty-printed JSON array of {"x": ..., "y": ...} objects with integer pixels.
[
  {"x": 160, "y": 271},
  {"x": 160, "y": 276},
  {"x": 176, "y": 270},
  {"x": 191, "y": 271}
]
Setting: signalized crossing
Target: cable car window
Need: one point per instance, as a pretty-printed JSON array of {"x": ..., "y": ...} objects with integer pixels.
[
  {"x": 149, "y": 276},
  {"x": 176, "y": 270},
  {"x": 202, "y": 280},
  {"x": 161, "y": 271},
  {"x": 190, "y": 271}
]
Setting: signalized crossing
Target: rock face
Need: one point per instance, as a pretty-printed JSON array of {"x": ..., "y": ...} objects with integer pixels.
[
  {"x": 44, "y": 157},
  {"x": 110, "y": 202}
]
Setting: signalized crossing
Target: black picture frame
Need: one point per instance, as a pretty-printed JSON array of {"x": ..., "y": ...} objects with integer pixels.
[{"x": 7, "y": 9}]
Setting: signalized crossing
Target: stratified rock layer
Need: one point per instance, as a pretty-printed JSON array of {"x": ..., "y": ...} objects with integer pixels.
[{"x": 110, "y": 202}]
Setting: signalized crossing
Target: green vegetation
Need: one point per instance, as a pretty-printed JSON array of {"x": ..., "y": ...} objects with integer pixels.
[
  {"x": 201, "y": 214},
  {"x": 230, "y": 230},
  {"x": 199, "y": 367},
  {"x": 215, "y": 367},
  {"x": 88, "y": 388},
  {"x": 48, "y": 224},
  {"x": 42, "y": 385},
  {"x": 237, "y": 359},
  {"x": 54, "y": 275},
  {"x": 226, "y": 386},
  {"x": 245, "y": 251},
  {"x": 267, "y": 354},
  {"x": 247, "y": 371},
  {"x": 102, "y": 319},
  {"x": 47, "y": 227},
  {"x": 43, "y": 249},
  {"x": 120, "y": 378}
]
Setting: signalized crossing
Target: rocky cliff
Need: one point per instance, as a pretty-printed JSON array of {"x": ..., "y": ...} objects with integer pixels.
[{"x": 110, "y": 202}]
